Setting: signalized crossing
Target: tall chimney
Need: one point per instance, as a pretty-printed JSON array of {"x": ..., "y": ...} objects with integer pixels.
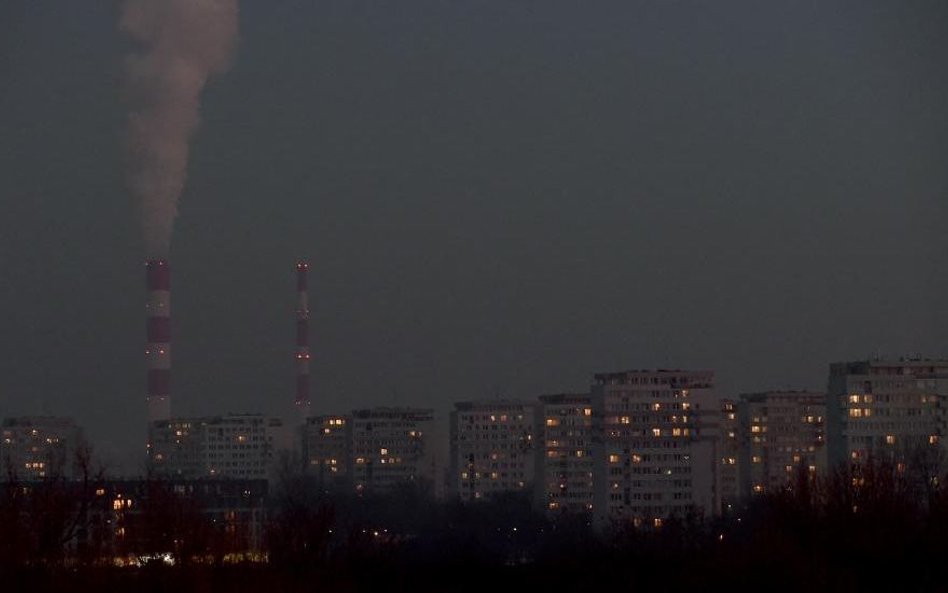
[
  {"x": 158, "y": 350},
  {"x": 302, "y": 340}
]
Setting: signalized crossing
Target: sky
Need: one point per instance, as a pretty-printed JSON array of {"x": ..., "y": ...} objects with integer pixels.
[{"x": 497, "y": 199}]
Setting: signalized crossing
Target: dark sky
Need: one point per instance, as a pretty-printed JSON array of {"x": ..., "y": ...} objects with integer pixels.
[{"x": 497, "y": 197}]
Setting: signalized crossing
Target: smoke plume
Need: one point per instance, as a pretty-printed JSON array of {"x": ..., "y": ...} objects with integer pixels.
[{"x": 182, "y": 43}]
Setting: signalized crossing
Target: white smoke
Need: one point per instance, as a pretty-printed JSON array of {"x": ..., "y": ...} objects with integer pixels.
[{"x": 183, "y": 42}]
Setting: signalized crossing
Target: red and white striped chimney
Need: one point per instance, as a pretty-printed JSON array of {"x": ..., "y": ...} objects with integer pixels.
[
  {"x": 158, "y": 350},
  {"x": 302, "y": 340}
]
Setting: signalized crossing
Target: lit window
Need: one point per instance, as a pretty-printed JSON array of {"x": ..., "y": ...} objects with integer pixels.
[
  {"x": 758, "y": 488},
  {"x": 100, "y": 491},
  {"x": 933, "y": 439},
  {"x": 383, "y": 451},
  {"x": 613, "y": 458},
  {"x": 676, "y": 432},
  {"x": 855, "y": 412},
  {"x": 656, "y": 406},
  {"x": 636, "y": 458},
  {"x": 587, "y": 412},
  {"x": 552, "y": 422},
  {"x": 756, "y": 459},
  {"x": 755, "y": 428},
  {"x": 657, "y": 522},
  {"x": 579, "y": 453},
  {"x": 890, "y": 439},
  {"x": 624, "y": 420},
  {"x": 854, "y": 399},
  {"x": 656, "y": 432}
]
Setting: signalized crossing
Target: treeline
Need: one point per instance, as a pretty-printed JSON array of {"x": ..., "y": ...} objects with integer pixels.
[{"x": 877, "y": 527}]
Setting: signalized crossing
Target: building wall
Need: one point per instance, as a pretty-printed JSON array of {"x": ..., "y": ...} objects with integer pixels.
[
  {"x": 392, "y": 447},
  {"x": 327, "y": 450},
  {"x": 885, "y": 409},
  {"x": 235, "y": 446},
  {"x": 36, "y": 447},
  {"x": 123, "y": 515},
  {"x": 730, "y": 466},
  {"x": 565, "y": 457},
  {"x": 492, "y": 448},
  {"x": 783, "y": 434},
  {"x": 651, "y": 461}
]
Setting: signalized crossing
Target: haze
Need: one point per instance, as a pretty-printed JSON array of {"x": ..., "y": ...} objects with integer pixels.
[{"x": 496, "y": 198}]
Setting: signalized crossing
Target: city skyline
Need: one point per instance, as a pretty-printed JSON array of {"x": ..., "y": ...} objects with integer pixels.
[{"x": 492, "y": 201}]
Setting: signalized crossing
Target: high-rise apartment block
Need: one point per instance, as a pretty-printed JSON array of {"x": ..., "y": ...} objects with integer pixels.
[
  {"x": 392, "y": 447},
  {"x": 493, "y": 448},
  {"x": 729, "y": 447},
  {"x": 37, "y": 447},
  {"x": 783, "y": 437},
  {"x": 651, "y": 461},
  {"x": 885, "y": 409},
  {"x": 327, "y": 450},
  {"x": 566, "y": 462},
  {"x": 233, "y": 446}
]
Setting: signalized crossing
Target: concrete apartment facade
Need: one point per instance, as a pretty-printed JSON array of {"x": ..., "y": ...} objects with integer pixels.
[
  {"x": 656, "y": 451},
  {"x": 492, "y": 448}
]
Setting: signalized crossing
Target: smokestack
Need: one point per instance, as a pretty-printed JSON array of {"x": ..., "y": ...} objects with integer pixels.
[
  {"x": 158, "y": 350},
  {"x": 302, "y": 340}
]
